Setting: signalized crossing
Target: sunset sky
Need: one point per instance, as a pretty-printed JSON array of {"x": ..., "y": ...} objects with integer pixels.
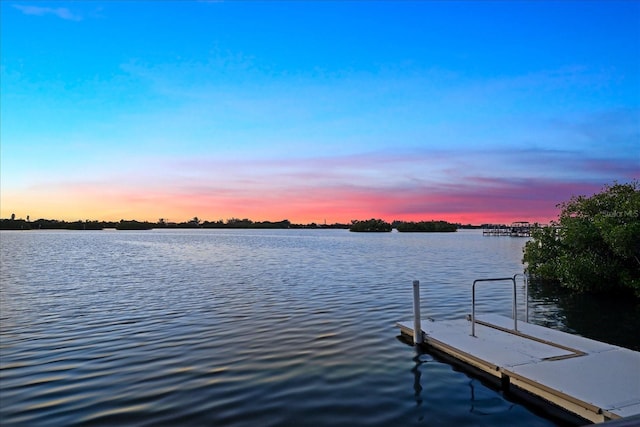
[{"x": 318, "y": 111}]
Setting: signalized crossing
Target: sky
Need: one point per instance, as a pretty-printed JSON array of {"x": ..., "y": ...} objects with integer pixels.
[{"x": 313, "y": 111}]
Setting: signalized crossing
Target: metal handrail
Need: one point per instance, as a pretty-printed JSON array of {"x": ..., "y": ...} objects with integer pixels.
[{"x": 473, "y": 301}]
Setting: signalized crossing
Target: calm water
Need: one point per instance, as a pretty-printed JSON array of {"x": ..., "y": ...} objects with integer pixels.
[{"x": 245, "y": 327}]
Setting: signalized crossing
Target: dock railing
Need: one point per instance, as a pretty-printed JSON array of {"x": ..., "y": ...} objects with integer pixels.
[{"x": 515, "y": 303}]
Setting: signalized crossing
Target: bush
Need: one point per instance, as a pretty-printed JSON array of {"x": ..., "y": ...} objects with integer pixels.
[{"x": 595, "y": 244}]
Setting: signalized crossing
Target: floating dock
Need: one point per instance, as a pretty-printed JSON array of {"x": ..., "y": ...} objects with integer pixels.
[{"x": 587, "y": 378}]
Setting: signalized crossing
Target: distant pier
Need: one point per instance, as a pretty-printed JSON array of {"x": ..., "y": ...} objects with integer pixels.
[{"x": 516, "y": 229}]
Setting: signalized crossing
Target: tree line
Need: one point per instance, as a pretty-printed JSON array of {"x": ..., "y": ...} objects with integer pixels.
[
  {"x": 371, "y": 225},
  {"x": 53, "y": 224},
  {"x": 379, "y": 225}
]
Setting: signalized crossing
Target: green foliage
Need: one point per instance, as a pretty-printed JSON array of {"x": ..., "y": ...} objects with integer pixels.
[
  {"x": 595, "y": 244},
  {"x": 426, "y": 227},
  {"x": 541, "y": 253},
  {"x": 371, "y": 225}
]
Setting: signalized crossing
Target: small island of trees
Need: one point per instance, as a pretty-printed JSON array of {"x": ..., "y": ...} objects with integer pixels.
[
  {"x": 378, "y": 225},
  {"x": 427, "y": 227},
  {"x": 370, "y": 226}
]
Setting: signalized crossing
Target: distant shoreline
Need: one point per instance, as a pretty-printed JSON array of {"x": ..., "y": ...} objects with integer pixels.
[{"x": 52, "y": 224}]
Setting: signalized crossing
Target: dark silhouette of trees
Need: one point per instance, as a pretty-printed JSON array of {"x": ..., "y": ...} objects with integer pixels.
[
  {"x": 426, "y": 227},
  {"x": 14, "y": 224},
  {"x": 246, "y": 223},
  {"x": 370, "y": 226},
  {"x": 134, "y": 225},
  {"x": 195, "y": 222}
]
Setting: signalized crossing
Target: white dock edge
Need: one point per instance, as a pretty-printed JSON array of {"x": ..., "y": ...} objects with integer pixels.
[{"x": 591, "y": 379}]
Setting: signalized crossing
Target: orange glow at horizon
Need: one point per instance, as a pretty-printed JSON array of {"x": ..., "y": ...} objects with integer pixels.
[{"x": 300, "y": 206}]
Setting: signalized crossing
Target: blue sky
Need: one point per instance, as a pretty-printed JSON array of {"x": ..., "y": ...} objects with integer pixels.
[{"x": 311, "y": 111}]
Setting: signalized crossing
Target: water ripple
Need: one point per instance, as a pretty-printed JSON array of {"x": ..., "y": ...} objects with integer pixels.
[{"x": 238, "y": 328}]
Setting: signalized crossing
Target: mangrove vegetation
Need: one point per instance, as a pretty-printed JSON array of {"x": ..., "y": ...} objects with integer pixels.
[
  {"x": 14, "y": 223},
  {"x": 594, "y": 246},
  {"x": 370, "y": 226},
  {"x": 426, "y": 227}
]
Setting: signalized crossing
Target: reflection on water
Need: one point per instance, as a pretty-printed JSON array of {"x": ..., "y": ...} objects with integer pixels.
[
  {"x": 611, "y": 319},
  {"x": 245, "y": 327},
  {"x": 488, "y": 404},
  {"x": 472, "y": 404}
]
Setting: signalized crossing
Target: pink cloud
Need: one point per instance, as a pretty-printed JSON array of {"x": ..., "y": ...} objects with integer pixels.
[
  {"x": 413, "y": 186},
  {"x": 478, "y": 201},
  {"x": 505, "y": 201}
]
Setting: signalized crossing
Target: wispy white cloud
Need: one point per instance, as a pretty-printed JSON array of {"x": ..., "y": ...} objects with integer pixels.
[{"x": 60, "y": 12}]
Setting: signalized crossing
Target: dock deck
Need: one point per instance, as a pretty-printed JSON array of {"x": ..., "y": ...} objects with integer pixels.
[{"x": 588, "y": 378}]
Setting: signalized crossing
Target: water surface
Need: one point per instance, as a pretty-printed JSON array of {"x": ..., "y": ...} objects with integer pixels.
[{"x": 243, "y": 327}]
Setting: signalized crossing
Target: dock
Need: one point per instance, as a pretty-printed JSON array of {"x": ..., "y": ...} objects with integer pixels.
[
  {"x": 589, "y": 379},
  {"x": 516, "y": 229}
]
